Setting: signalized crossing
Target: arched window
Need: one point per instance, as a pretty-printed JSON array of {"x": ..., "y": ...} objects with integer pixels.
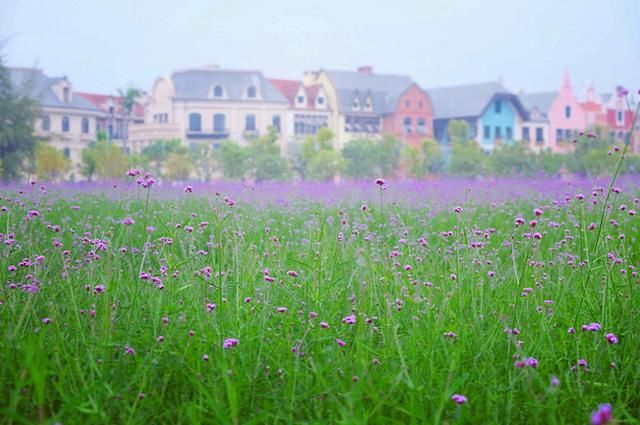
[
  {"x": 65, "y": 124},
  {"x": 85, "y": 125},
  {"x": 218, "y": 92},
  {"x": 251, "y": 92},
  {"x": 194, "y": 122},
  {"x": 250, "y": 123},
  {"x": 219, "y": 122},
  {"x": 277, "y": 122},
  {"x": 66, "y": 152},
  {"x": 406, "y": 124},
  {"x": 46, "y": 123}
]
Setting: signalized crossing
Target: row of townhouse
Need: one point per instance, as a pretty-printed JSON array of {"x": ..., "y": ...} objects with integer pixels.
[{"x": 209, "y": 104}]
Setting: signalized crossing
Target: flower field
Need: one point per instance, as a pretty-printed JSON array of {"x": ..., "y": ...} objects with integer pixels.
[{"x": 446, "y": 301}]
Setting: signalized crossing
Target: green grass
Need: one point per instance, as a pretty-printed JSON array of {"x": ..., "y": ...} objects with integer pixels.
[{"x": 75, "y": 369}]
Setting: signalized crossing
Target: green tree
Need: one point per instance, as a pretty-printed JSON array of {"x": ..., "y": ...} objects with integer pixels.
[
  {"x": 51, "y": 164},
  {"x": 265, "y": 161},
  {"x": 550, "y": 162},
  {"x": 319, "y": 159},
  {"x": 155, "y": 155},
  {"x": 458, "y": 131},
  {"x": 179, "y": 166},
  {"x": 433, "y": 159},
  {"x": 204, "y": 160},
  {"x": 104, "y": 159},
  {"x": 128, "y": 98},
  {"x": 234, "y": 160},
  {"x": 513, "y": 158},
  {"x": 413, "y": 162},
  {"x": 467, "y": 158},
  {"x": 17, "y": 119}
]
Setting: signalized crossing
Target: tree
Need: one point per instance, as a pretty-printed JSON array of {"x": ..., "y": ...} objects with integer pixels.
[
  {"x": 413, "y": 162},
  {"x": 467, "y": 158},
  {"x": 178, "y": 166},
  {"x": 155, "y": 155},
  {"x": 128, "y": 100},
  {"x": 433, "y": 160},
  {"x": 514, "y": 158},
  {"x": 550, "y": 162},
  {"x": 104, "y": 159},
  {"x": 17, "y": 119},
  {"x": 458, "y": 131},
  {"x": 51, "y": 164},
  {"x": 233, "y": 159},
  {"x": 265, "y": 161},
  {"x": 321, "y": 161},
  {"x": 371, "y": 158},
  {"x": 204, "y": 160}
]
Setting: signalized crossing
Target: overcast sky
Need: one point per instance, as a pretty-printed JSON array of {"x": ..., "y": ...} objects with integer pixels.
[{"x": 105, "y": 44}]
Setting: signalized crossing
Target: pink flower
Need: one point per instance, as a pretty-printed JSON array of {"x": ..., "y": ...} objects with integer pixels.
[
  {"x": 324, "y": 325},
  {"x": 205, "y": 358},
  {"x": 188, "y": 189},
  {"x": 458, "y": 209},
  {"x": 603, "y": 415},
  {"x": 282, "y": 309},
  {"x": 349, "y": 320},
  {"x": 230, "y": 342},
  {"x": 611, "y": 338},
  {"x": 128, "y": 221},
  {"x": 340, "y": 342},
  {"x": 459, "y": 399},
  {"x": 380, "y": 182},
  {"x": 46, "y": 321}
]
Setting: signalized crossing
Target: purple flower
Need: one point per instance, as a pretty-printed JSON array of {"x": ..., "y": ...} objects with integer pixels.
[
  {"x": 46, "y": 321},
  {"x": 282, "y": 309},
  {"x": 349, "y": 320},
  {"x": 128, "y": 221},
  {"x": 555, "y": 381},
  {"x": 188, "y": 189},
  {"x": 129, "y": 350},
  {"x": 603, "y": 415},
  {"x": 611, "y": 338},
  {"x": 340, "y": 342},
  {"x": 380, "y": 182},
  {"x": 230, "y": 342},
  {"x": 459, "y": 399},
  {"x": 458, "y": 209}
]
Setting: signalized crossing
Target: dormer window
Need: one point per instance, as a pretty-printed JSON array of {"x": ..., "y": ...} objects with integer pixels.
[
  {"x": 251, "y": 92},
  {"x": 356, "y": 103},
  {"x": 368, "y": 105},
  {"x": 498, "y": 106},
  {"x": 66, "y": 94},
  {"x": 218, "y": 92},
  {"x": 320, "y": 101},
  {"x": 300, "y": 100}
]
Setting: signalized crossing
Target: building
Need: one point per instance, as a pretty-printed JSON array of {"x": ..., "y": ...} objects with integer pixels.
[
  {"x": 114, "y": 121},
  {"x": 368, "y": 105},
  {"x": 535, "y": 129},
  {"x": 567, "y": 118},
  {"x": 493, "y": 114},
  {"x": 208, "y": 105},
  {"x": 308, "y": 110},
  {"x": 67, "y": 120}
]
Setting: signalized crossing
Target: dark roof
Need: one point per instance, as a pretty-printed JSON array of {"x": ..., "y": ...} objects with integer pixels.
[
  {"x": 467, "y": 100},
  {"x": 197, "y": 84},
  {"x": 540, "y": 101},
  {"x": 384, "y": 89},
  {"x": 35, "y": 84}
]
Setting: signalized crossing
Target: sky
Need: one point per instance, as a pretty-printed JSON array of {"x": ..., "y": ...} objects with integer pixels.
[{"x": 103, "y": 45}]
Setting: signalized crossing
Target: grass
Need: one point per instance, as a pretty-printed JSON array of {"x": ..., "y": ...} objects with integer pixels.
[{"x": 396, "y": 366}]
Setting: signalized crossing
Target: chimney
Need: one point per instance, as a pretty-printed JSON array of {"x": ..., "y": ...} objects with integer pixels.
[{"x": 367, "y": 69}]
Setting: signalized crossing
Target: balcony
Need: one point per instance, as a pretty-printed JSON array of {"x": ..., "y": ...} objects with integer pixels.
[{"x": 209, "y": 134}]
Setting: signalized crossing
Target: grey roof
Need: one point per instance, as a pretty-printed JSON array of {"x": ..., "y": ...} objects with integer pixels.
[
  {"x": 384, "y": 89},
  {"x": 35, "y": 84},
  {"x": 197, "y": 84},
  {"x": 467, "y": 100},
  {"x": 540, "y": 101}
]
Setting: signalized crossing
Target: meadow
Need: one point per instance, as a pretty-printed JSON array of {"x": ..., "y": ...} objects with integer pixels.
[{"x": 511, "y": 301}]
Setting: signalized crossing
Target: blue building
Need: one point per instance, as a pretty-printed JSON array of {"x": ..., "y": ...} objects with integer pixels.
[{"x": 493, "y": 114}]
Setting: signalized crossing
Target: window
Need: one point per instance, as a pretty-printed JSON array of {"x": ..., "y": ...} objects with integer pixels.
[
  {"x": 66, "y": 152},
  {"x": 300, "y": 99},
  {"x": 46, "y": 123},
  {"x": 85, "y": 125},
  {"x": 567, "y": 134},
  {"x": 509, "y": 133},
  {"x": 356, "y": 103},
  {"x": 422, "y": 126},
  {"x": 276, "y": 122},
  {"x": 218, "y": 123},
  {"x": 567, "y": 111},
  {"x": 65, "y": 124},
  {"x": 110, "y": 131},
  {"x": 559, "y": 135},
  {"x": 498, "y": 132},
  {"x": 66, "y": 94},
  {"x": 250, "y": 123},
  {"x": 525, "y": 134},
  {"x": 619, "y": 118},
  {"x": 195, "y": 122},
  {"x": 498, "y": 106},
  {"x": 218, "y": 92},
  {"x": 487, "y": 132},
  {"x": 320, "y": 101},
  {"x": 406, "y": 124},
  {"x": 420, "y": 104},
  {"x": 251, "y": 92},
  {"x": 539, "y": 135},
  {"x": 407, "y": 103}
]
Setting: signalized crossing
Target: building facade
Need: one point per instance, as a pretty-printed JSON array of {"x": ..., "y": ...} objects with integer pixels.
[
  {"x": 494, "y": 116},
  {"x": 208, "y": 105},
  {"x": 67, "y": 120},
  {"x": 363, "y": 104}
]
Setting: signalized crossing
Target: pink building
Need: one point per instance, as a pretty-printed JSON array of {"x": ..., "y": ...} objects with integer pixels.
[{"x": 567, "y": 118}]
